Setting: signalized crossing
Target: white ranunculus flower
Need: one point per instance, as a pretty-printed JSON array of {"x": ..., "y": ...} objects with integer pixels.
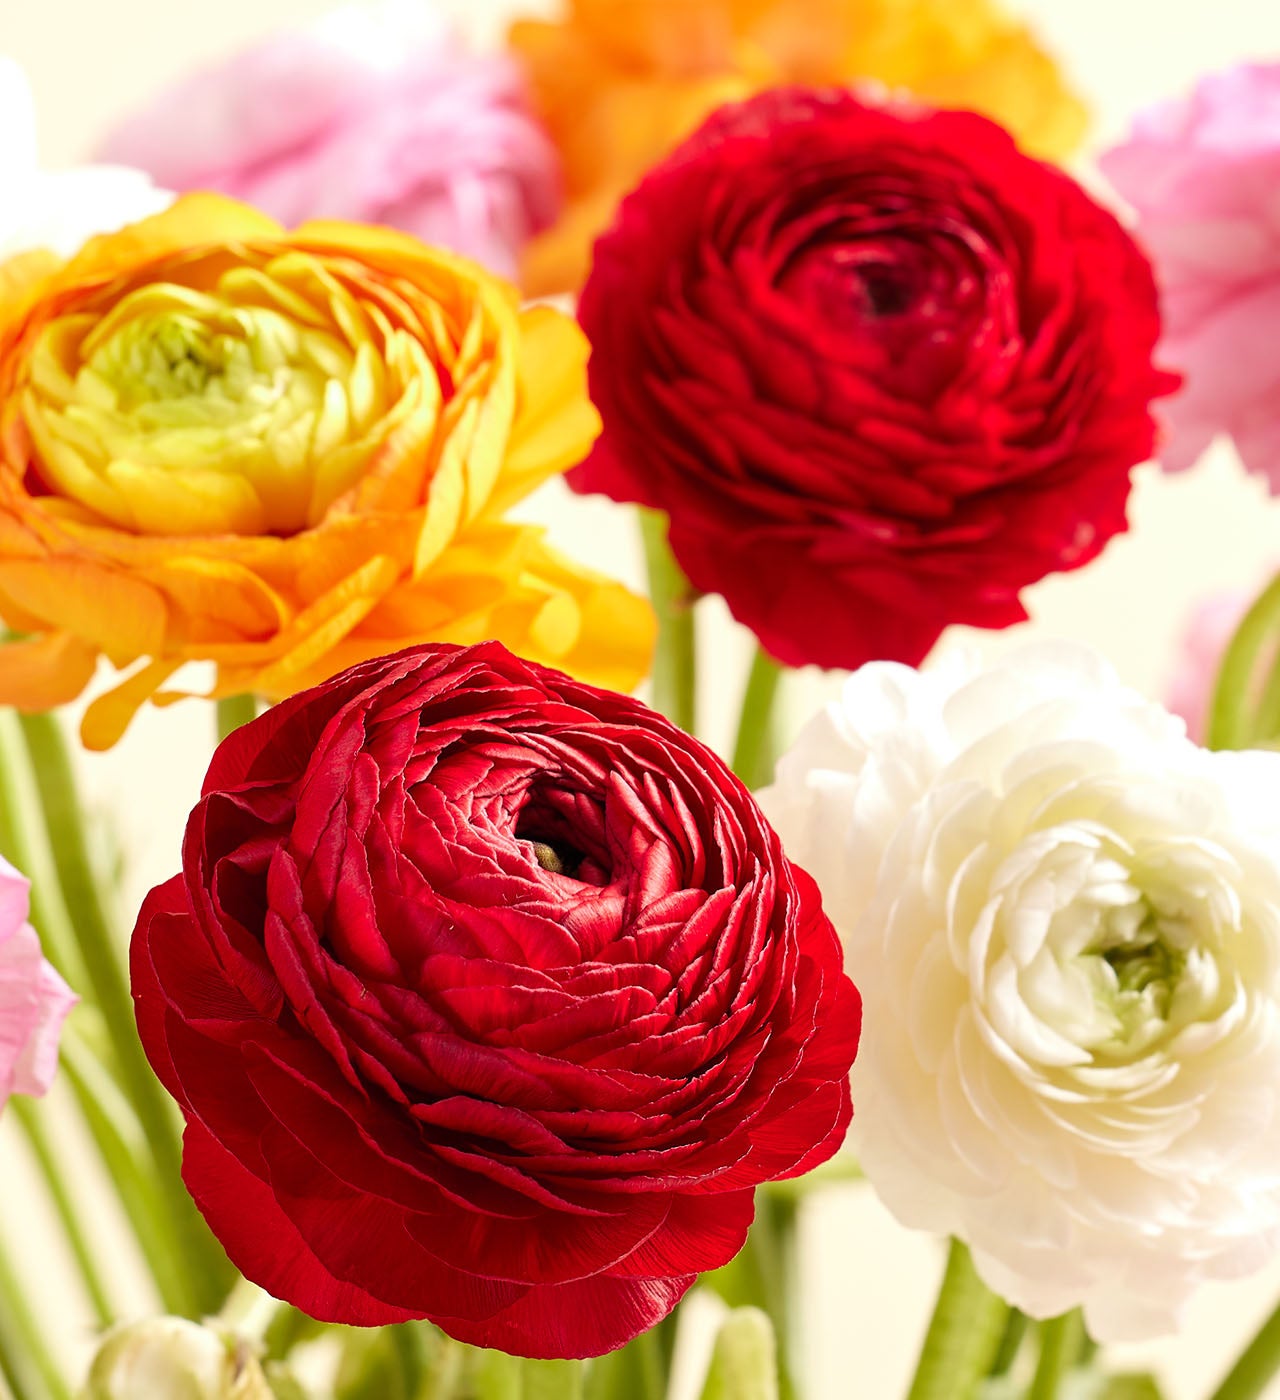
[
  {"x": 58, "y": 209},
  {"x": 1064, "y": 919}
]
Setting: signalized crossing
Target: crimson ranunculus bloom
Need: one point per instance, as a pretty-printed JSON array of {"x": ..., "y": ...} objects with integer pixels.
[
  {"x": 488, "y": 997},
  {"x": 881, "y": 369}
]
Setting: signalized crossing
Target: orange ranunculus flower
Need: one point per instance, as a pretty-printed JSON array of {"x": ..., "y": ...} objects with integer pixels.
[
  {"x": 282, "y": 453},
  {"x": 621, "y": 83}
]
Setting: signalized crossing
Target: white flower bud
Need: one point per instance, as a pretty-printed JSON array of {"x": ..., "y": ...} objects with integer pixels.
[{"x": 168, "y": 1358}]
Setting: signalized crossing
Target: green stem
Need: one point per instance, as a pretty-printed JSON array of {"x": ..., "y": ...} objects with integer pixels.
[
  {"x": 31, "y": 1362},
  {"x": 1230, "y": 725},
  {"x": 123, "y": 1149},
  {"x": 675, "y": 662},
  {"x": 234, "y": 711},
  {"x": 18, "y": 1379},
  {"x": 756, "y": 751},
  {"x": 763, "y": 1275},
  {"x": 23, "y": 842},
  {"x": 51, "y": 1162},
  {"x": 413, "y": 1355},
  {"x": 963, "y": 1336},
  {"x": 1015, "y": 1330},
  {"x": 655, "y": 1364},
  {"x": 551, "y": 1380},
  {"x": 1258, "y": 1364},
  {"x": 205, "y": 1263},
  {"x": 286, "y": 1329},
  {"x": 1060, "y": 1340},
  {"x": 621, "y": 1375},
  {"x": 491, "y": 1375}
]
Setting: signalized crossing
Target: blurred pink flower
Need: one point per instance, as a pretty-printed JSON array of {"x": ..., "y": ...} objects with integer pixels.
[
  {"x": 1203, "y": 175},
  {"x": 372, "y": 114},
  {"x": 1209, "y": 628},
  {"x": 34, "y": 1000}
]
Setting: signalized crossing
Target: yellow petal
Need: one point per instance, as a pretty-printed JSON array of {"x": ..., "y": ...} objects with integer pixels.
[
  {"x": 194, "y": 221},
  {"x": 556, "y": 422}
]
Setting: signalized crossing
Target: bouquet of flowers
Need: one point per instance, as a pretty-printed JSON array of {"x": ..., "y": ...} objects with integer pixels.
[{"x": 494, "y": 1030}]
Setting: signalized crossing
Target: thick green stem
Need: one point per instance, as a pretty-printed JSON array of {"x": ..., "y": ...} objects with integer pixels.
[
  {"x": 1231, "y": 721},
  {"x": 675, "y": 662},
  {"x": 1259, "y": 1363},
  {"x": 756, "y": 751},
  {"x": 963, "y": 1336},
  {"x": 51, "y": 1163},
  {"x": 233, "y": 712},
  {"x": 1060, "y": 1341},
  {"x": 28, "y": 1362},
  {"x": 205, "y": 1263}
]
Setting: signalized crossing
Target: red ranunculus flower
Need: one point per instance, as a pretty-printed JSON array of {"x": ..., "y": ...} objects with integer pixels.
[
  {"x": 881, "y": 369},
  {"x": 489, "y": 997}
]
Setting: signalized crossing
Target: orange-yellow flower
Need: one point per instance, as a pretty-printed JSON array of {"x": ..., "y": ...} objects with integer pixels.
[
  {"x": 620, "y": 83},
  {"x": 282, "y": 453}
]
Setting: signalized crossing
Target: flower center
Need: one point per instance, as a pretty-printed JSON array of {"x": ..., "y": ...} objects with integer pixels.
[
  {"x": 558, "y": 862},
  {"x": 1136, "y": 972},
  {"x": 245, "y": 403}
]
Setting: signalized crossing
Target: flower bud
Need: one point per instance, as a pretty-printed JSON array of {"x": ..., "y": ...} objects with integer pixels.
[
  {"x": 168, "y": 1358},
  {"x": 744, "y": 1365}
]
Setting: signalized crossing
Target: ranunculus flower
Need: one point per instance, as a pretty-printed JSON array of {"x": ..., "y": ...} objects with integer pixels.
[
  {"x": 1201, "y": 174},
  {"x": 282, "y": 453},
  {"x": 620, "y": 83},
  {"x": 488, "y": 997},
  {"x": 1204, "y": 640},
  {"x": 882, "y": 370},
  {"x": 1071, "y": 917},
  {"x": 58, "y": 209},
  {"x": 34, "y": 1000},
  {"x": 374, "y": 113},
  {"x": 169, "y": 1358}
]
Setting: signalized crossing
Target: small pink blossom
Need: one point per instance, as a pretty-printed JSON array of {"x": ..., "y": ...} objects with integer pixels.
[
  {"x": 34, "y": 1000},
  {"x": 1209, "y": 628},
  {"x": 1203, "y": 175},
  {"x": 371, "y": 114}
]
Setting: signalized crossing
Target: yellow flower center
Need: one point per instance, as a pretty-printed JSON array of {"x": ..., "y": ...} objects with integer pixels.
[{"x": 245, "y": 407}]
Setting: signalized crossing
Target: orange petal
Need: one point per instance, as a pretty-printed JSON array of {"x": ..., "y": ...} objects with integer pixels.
[
  {"x": 106, "y": 720},
  {"x": 121, "y": 616},
  {"x": 20, "y": 276},
  {"x": 41, "y": 673}
]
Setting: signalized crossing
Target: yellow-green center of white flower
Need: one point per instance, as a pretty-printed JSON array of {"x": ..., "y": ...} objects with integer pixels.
[
  {"x": 1102, "y": 953},
  {"x": 248, "y": 407}
]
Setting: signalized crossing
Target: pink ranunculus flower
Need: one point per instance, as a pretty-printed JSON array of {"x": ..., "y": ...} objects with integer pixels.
[
  {"x": 1204, "y": 639},
  {"x": 1203, "y": 175},
  {"x": 372, "y": 114},
  {"x": 34, "y": 1000}
]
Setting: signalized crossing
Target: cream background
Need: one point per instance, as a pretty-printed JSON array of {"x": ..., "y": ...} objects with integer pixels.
[{"x": 869, "y": 1284}]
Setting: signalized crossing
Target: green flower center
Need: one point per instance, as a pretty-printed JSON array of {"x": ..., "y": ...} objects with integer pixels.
[{"x": 248, "y": 407}]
